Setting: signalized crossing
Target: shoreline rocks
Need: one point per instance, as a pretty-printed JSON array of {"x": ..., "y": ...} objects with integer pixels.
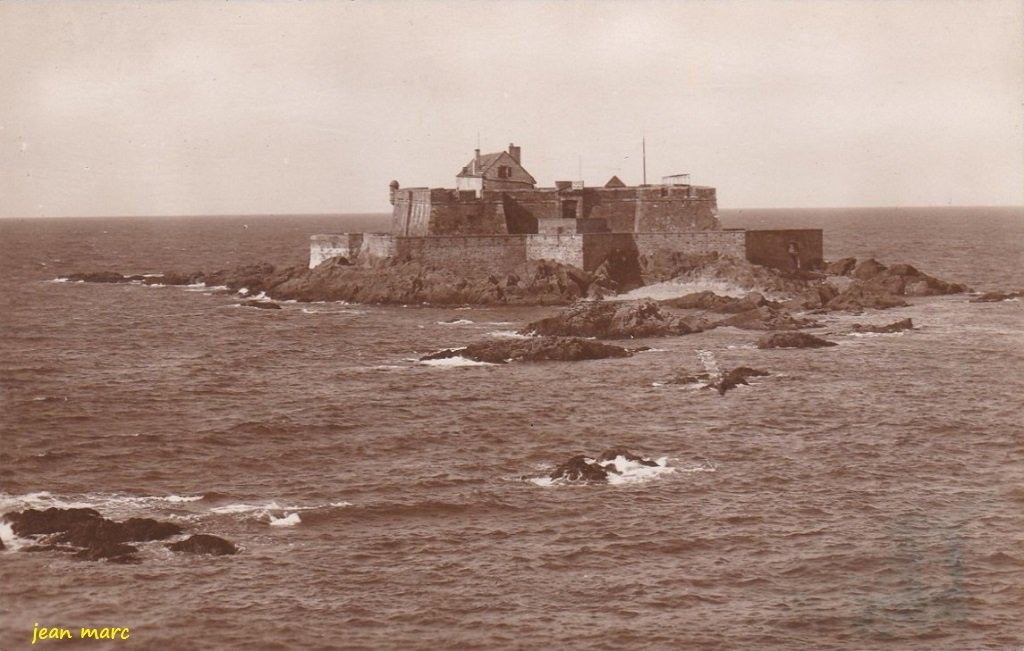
[
  {"x": 853, "y": 285},
  {"x": 614, "y": 320}
]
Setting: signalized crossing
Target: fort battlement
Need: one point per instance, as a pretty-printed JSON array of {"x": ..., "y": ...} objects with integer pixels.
[{"x": 496, "y": 218}]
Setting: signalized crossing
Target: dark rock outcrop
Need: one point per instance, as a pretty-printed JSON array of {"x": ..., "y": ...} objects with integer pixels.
[
  {"x": 202, "y": 543},
  {"x": 533, "y": 349},
  {"x": 859, "y": 297},
  {"x": 87, "y": 533},
  {"x": 614, "y": 320},
  {"x": 897, "y": 326},
  {"x": 792, "y": 340},
  {"x": 581, "y": 468},
  {"x": 841, "y": 267}
]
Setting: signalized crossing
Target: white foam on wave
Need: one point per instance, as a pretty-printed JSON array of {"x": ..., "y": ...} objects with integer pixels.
[
  {"x": 289, "y": 520},
  {"x": 453, "y": 362},
  {"x": 10, "y": 540},
  {"x": 456, "y": 322},
  {"x": 507, "y": 334},
  {"x": 59, "y": 279},
  {"x": 676, "y": 288},
  {"x": 634, "y": 472},
  {"x": 107, "y": 503},
  {"x": 877, "y": 334}
]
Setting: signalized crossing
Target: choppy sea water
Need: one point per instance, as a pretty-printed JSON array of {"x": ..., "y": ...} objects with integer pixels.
[{"x": 867, "y": 496}]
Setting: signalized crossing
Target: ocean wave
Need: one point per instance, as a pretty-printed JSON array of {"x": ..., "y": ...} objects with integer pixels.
[
  {"x": 507, "y": 334},
  {"x": 456, "y": 322},
  {"x": 104, "y": 502},
  {"x": 289, "y": 520}
]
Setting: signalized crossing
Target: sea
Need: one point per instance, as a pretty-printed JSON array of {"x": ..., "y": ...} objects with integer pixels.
[{"x": 865, "y": 496}]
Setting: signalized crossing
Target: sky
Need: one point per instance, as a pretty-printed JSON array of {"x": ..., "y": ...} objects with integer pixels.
[{"x": 173, "y": 108}]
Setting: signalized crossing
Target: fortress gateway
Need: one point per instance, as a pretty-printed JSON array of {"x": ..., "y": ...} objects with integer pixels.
[{"x": 496, "y": 219}]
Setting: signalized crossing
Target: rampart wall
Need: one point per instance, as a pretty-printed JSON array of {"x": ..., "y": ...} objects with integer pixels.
[
  {"x": 465, "y": 254},
  {"x": 500, "y": 253}
]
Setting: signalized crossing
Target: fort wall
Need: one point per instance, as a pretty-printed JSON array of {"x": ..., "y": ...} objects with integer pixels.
[
  {"x": 501, "y": 253},
  {"x": 465, "y": 254}
]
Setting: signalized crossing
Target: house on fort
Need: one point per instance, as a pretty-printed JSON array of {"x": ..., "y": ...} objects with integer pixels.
[{"x": 497, "y": 218}]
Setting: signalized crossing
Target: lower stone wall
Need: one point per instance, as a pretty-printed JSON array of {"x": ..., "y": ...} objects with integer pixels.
[
  {"x": 566, "y": 248},
  {"x": 726, "y": 242},
  {"x": 785, "y": 249},
  {"x": 782, "y": 249},
  {"x": 465, "y": 254}
]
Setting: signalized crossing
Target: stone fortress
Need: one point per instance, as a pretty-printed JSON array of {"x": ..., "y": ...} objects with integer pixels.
[{"x": 496, "y": 219}]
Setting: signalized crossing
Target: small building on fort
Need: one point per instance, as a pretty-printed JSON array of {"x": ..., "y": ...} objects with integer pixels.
[{"x": 497, "y": 218}]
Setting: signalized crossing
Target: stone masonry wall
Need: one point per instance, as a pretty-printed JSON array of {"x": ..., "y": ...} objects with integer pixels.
[
  {"x": 726, "y": 242},
  {"x": 465, "y": 254},
  {"x": 566, "y": 248}
]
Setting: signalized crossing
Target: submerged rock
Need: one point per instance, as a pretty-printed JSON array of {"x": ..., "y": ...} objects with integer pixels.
[
  {"x": 723, "y": 382},
  {"x": 897, "y": 326},
  {"x": 613, "y": 320},
  {"x": 996, "y": 297},
  {"x": 203, "y": 543},
  {"x": 533, "y": 349},
  {"x": 262, "y": 305},
  {"x": 736, "y": 377},
  {"x": 98, "y": 277},
  {"x": 792, "y": 340}
]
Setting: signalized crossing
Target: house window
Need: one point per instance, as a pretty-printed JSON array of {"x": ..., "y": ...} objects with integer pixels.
[{"x": 504, "y": 172}]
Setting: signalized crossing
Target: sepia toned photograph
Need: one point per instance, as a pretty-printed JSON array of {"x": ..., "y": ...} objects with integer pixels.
[{"x": 512, "y": 324}]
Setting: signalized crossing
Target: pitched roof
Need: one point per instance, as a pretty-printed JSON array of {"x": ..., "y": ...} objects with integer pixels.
[
  {"x": 486, "y": 161},
  {"x": 615, "y": 182}
]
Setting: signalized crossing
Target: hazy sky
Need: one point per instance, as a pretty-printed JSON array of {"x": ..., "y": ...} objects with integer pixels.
[{"x": 130, "y": 108}]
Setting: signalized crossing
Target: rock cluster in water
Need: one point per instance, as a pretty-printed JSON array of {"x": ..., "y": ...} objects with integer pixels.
[
  {"x": 532, "y": 349},
  {"x": 90, "y": 536},
  {"x": 582, "y": 468},
  {"x": 723, "y": 382}
]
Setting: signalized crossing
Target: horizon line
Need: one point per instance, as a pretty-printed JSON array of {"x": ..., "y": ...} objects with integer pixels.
[{"x": 387, "y": 213}]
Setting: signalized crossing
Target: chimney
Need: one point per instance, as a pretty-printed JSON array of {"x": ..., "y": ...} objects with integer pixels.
[
  {"x": 514, "y": 152},
  {"x": 476, "y": 160}
]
